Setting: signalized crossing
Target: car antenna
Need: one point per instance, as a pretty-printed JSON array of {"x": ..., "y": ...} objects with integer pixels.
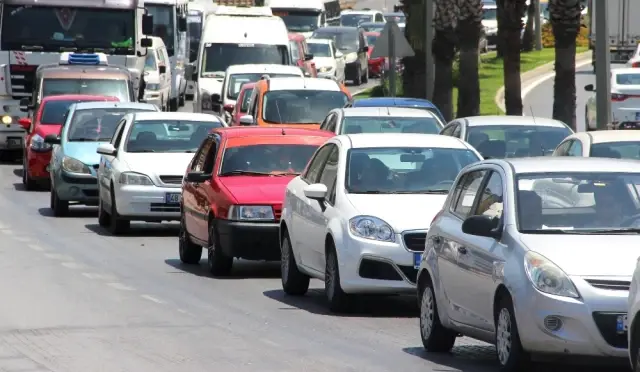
[
  {"x": 388, "y": 112},
  {"x": 534, "y": 122},
  {"x": 278, "y": 111}
]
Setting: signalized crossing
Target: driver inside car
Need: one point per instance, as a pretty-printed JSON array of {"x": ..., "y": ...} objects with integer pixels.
[{"x": 610, "y": 212}]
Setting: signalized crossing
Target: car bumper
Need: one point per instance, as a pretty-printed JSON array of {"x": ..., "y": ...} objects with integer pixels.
[
  {"x": 146, "y": 203},
  {"x": 154, "y": 98},
  {"x": 368, "y": 266},
  {"x": 375, "y": 66},
  {"x": 626, "y": 114},
  {"x": 75, "y": 187},
  {"x": 249, "y": 240},
  {"x": 327, "y": 74},
  {"x": 352, "y": 68},
  {"x": 588, "y": 324},
  {"x": 11, "y": 138},
  {"x": 38, "y": 164}
]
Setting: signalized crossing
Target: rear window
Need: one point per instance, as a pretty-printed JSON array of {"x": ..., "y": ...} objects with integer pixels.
[
  {"x": 102, "y": 87},
  {"x": 628, "y": 79},
  {"x": 246, "y": 98},
  {"x": 53, "y": 112},
  {"x": 382, "y": 124}
]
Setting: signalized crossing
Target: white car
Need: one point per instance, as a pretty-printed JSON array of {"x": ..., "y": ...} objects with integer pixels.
[
  {"x": 329, "y": 61},
  {"x": 358, "y": 216},
  {"x": 625, "y": 100},
  {"x": 141, "y": 169},
  {"x": 614, "y": 144},
  {"x": 354, "y": 120},
  {"x": 353, "y": 18},
  {"x": 634, "y": 61},
  {"x": 157, "y": 75}
]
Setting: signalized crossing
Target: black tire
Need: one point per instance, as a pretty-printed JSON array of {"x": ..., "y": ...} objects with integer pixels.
[
  {"x": 104, "y": 218},
  {"x": 188, "y": 97},
  {"x": 294, "y": 282},
  {"x": 117, "y": 225},
  {"x": 190, "y": 253},
  {"x": 60, "y": 207},
  {"x": 181, "y": 100},
  {"x": 636, "y": 352},
  {"x": 219, "y": 264},
  {"x": 173, "y": 104},
  {"x": 338, "y": 300},
  {"x": 28, "y": 182},
  {"x": 515, "y": 359},
  {"x": 435, "y": 337},
  {"x": 358, "y": 76}
]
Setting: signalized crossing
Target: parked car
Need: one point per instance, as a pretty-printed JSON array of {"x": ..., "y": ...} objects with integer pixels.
[
  {"x": 396, "y": 102},
  {"x": 535, "y": 256},
  {"x": 351, "y": 219},
  {"x": 141, "y": 169},
  {"x": 625, "y": 100},
  {"x": 233, "y": 190},
  {"x": 47, "y": 120},
  {"x": 353, "y": 44},
  {"x": 328, "y": 59},
  {"x": 241, "y": 107},
  {"x": 601, "y": 144},
  {"x": 381, "y": 120},
  {"x": 301, "y": 56}
]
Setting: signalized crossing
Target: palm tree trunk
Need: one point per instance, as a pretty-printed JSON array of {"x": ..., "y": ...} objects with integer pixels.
[
  {"x": 468, "y": 30},
  {"x": 444, "y": 51},
  {"x": 565, "y": 20},
  {"x": 414, "y": 76},
  {"x": 512, "y": 21},
  {"x": 500, "y": 18},
  {"x": 527, "y": 38}
]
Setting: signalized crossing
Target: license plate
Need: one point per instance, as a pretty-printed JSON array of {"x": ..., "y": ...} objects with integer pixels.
[
  {"x": 622, "y": 324},
  {"x": 417, "y": 258},
  {"x": 172, "y": 198},
  {"x": 14, "y": 142}
]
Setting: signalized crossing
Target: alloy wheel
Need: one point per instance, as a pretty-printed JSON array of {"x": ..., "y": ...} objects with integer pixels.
[
  {"x": 329, "y": 277},
  {"x": 427, "y": 313},
  {"x": 503, "y": 336}
]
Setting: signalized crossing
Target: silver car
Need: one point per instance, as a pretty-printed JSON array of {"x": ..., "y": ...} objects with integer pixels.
[{"x": 534, "y": 255}]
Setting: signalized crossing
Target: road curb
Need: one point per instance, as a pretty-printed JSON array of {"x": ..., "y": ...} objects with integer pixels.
[
  {"x": 361, "y": 91},
  {"x": 537, "y": 76}
]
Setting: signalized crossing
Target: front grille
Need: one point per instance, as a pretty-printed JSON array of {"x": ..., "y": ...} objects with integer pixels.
[
  {"x": 607, "y": 325},
  {"x": 172, "y": 180},
  {"x": 79, "y": 180},
  {"x": 372, "y": 269},
  {"x": 90, "y": 193},
  {"x": 614, "y": 285},
  {"x": 161, "y": 207},
  {"x": 277, "y": 212},
  {"x": 23, "y": 79},
  {"x": 415, "y": 241}
]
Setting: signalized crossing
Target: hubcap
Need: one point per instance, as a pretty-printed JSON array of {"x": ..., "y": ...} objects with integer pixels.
[
  {"x": 284, "y": 263},
  {"x": 427, "y": 312},
  {"x": 329, "y": 278},
  {"x": 181, "y": 238},
  {"x": 503, "y": 336}
]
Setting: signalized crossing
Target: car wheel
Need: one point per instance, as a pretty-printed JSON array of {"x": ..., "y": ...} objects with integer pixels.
[
  {"x": 511, "y": 355},
  {"x": 173, "y": 104},
  {"x": 294, "y": 282},
  {"x": 188, "y": 97},
  {"x": 189, "y": 253},
  {"x": 28, "y": 182},
  {"x": 435, "y": 337},
  {"x": 181, "y": 100},
  {"x": 219, "y": 264},
  {"x": 103, "y": 216},
  {"x": 116, "y": 224},
  {"x": 60, "y": 207},
  {"x": 337, "y": 299},
  {"x": 358, "y": 76}
]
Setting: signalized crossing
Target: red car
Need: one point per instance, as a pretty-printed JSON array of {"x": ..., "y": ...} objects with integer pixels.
[
  {"x": 233, "y": 192},
  {"x": 242, "y": 103},
  {"x": 375, "y": 64},
  {"x": 300, "y": 54},
  {"x": 48, "y": 120}
]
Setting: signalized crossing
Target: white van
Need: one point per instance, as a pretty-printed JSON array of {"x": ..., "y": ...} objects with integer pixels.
[
  {"x": 236, "y": 36},
  {"x": 198, "y": 11},
  {"x": 157, "y": 75}
]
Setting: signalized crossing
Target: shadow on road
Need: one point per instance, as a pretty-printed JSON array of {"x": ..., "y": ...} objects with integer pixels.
[
  {"x": 363, "y": 306},
  {"x": 138, "y": 230},
  {"x": 17, "y": 172},
  {"x": 74, "y": 212},
  {"x": 19, "y": 186},
  {"x": 241, "y": 269}
]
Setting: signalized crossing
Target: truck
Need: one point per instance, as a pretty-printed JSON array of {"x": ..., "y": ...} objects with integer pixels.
[{"x": 624, "y": 29}]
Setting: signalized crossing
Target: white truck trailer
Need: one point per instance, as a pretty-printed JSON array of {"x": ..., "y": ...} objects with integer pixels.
[{"x": 624, "y": 29}]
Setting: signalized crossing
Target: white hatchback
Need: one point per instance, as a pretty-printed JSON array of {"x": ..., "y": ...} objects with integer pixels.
[
  {"x": 625, "y": 100},
  {"x": 358, "y": 216}
]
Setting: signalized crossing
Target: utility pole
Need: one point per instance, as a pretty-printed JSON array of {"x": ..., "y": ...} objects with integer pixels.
[
  {"x": 428, "y": 43},
  {"x": 537, "y": 24},
  {"x": 603, "y": 67}
]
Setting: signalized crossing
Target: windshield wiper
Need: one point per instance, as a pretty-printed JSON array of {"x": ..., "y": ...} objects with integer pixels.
[
  {"x": 619, "y": 230},
  {"x": 284, "y": 174},
  {"x": 83, "y": 140},
  {"x": 139, "y": 151},
  {"x": 32, "y": 47},
  {"x": 245, "y": 173},
  {"x": 366, "y": 192},
  {"x": 438, "y": 192}
]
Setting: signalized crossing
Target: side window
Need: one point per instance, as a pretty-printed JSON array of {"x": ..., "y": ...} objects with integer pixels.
[
  {"x": 466, "y": 194},
  {"x": 326, "y": 121},
  {"x": 305, "y": 48},
  {"x": 330, "y": 173},
  {"x": 575, "y": 149},
  {"x": 210, "y": 157},
  {"x": 379, "y": 18},
  {"x": 315, "y": 166},
  {"x": 295, "y": 54},
  {"x": 201, "y": 155},
  {"x": 117, "y": 138},
  {"x": 490, "y": 203},
  {"x": 562, "y": 149},
  {"x": 253, "y": 104},
  {"x": 457, "y": 131},
  {"x": 448, "y": 130},
  {"x": 333, "y": 123}
]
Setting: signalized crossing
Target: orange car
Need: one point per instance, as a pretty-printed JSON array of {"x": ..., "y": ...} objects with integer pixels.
[{"x": 294, "y": 102}]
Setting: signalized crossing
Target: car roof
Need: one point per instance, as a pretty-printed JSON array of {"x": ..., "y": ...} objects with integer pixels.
[
  {"x": 253, "y": 131},
  {"x": 98, "y": 105},
  {"x": 387, "y": 111},
  {"x": 79, "y": 97},
  {"x": 568, "y": 164},
  {"x": 335, "y": 29},
  {"x": 382, "y": 140},
  {"x": 474, "y": 121},
  {"x": 355, "y": 11},
  {"x": 626, "y": 70},
  {"x": 266, "y": 68},
  {"x": 372, "y": 23},
  {"x": 293, "y": 83},
  {"x": 608, "y": 136},
  {"x": 397, "y": 14},
  {"x": 186, "y": 116},
  {"x": 389, "y": 101}
]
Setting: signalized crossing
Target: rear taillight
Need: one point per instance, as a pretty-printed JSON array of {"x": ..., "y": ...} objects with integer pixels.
[
  {"x": 635, "y": 64},
  {"x": 436, "y": 216},
  {"x": 618, "y": 97}
]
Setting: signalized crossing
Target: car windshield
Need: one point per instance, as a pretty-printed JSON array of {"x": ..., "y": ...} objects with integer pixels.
[
  {"x": 93, "y": 125},
  {"x": 398, "y": 18},
  {"x": 515, "y": 141},
  {"x": 628, "y": 79},
  {"x": 150, "y": 61},
  {"x": 299, "y": 20},
  {"x": 218, "y": 57},
  {"x": 577, "y": 202},
  {"x": 163, "y": 24},
  {"x": 353, "y": 20},
  {"x": 266, "y": 159},
  {"x": 386, "y": 124},
  {"x": 319, "y": 49},
  {"x": 301, "y": 106},
  {"x": 489, "y": 14},
  {"x": 404, "y": 169},
  {"x": 168, "y": 135},
  {"x": 371, "y": 39},
  {"x": 246, "y": 98},
  {"x": 236, "y": 81},
  {"x": 616, "y": 150},
  {"x": 194, "y": 29},
  {"x": 346, "y": 41},
  {"x": 100, "y": 87},
  {"x": 63, "y": 27},
  {"x": 53, "y": 112}
]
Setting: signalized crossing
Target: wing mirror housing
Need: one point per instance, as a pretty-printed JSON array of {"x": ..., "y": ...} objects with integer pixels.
[
  {"x": 106, "y": 149},
  {"x": 589, "y": 88},
  {"x": 25, "y": 123},
  {"x": 162, "y": 69},
  {"x": 197, "y": 177},
  {"x": 25, "y": 105},
  {"x": 146, "y": 42},
  {"x": 308, "y": 57},
  {"x": 147, "y": 25},
  {"x": 316, "y": 191},
  {"x": 482, "y": 226},
  {"x": 246, "y": 120},
  {"x": 52, "y": 139}
]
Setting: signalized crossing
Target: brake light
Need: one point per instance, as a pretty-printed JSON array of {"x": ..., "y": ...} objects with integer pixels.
[
  {"x": 635, "y": 64},
  {"x": 436, "y": 216},
  {"x": 229, "y": 108},
  {"x": 618, "y": 97}
]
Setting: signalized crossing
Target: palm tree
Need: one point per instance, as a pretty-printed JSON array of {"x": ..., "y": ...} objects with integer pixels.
[
  {"x": 527, "y": 38},
  {"x": 469, "y": 30},
  {"x": 565, "y": 21},
  {"x": 444, "y": 50},
  {"x": 510, "y": 22},
  {"x": 414, "y": 76}
]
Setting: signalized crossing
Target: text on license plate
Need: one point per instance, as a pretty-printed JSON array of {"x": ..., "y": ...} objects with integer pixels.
[
  {"x": 172, "y": 198},
  {"x": 14, "y": 142},
  {"x": 417, "y": 258},
  {"x": 622, "y": 324}
]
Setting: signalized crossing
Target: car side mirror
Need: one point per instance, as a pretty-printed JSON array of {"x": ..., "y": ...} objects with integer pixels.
[
  {"x": 146, "y": 42},
  {"x": 52, "y": 139},
  {"x": 106, "y": 149},
  {"x": 25, "y": 104},
  {"x": 308, "y": 57},
  {"x": 162, "y": 69},
  {"x": 25, "y": 123},
  {"x": 589, "y": 88},
  {"x": 246, "y": 120},
  {"x": 482, "y": 226},
  {"x": 147, "y": 24},
  {"x": 316, "y": 191},
  {"x": 182, "y": 24},
  {"x": 216, "y": 99},
  {"x": 339, "y": 54},
  {"x": 197, "y": 177},
  {"x": 365, "y": 48}
]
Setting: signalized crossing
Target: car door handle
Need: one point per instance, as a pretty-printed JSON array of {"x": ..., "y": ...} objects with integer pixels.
[{"x": 462, "y": 250}]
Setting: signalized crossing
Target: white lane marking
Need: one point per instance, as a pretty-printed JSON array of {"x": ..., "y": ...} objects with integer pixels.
[
  {"x": 21, "y": 239},
  {"x": 533, "y": 85},
  {"x": 152, "y": 299},
  {"x": 98, "y": 276},
  {"x": 121, "y": 286},
  {"x": 36, "y": 247},
  {"x": 72, "y": 265},
  {"x": 7, "y": 232},
  {"x": 57, "y": 256}
]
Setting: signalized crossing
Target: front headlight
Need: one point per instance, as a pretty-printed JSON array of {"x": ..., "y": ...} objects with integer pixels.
[
  {"x": 373, "y": 228},
  {"x": 153, "y": 86},
  {"x": 251, "y": 213},
  {"x": 37, "y": 144},
  {"x": 547, "y": 277},
  {"x": 137, "y": 179},
  {"x": 351, "y": 57},
  {"x": 325, "y": 69},
  {"x": 72, "y": 165},
  {"x": 206, "y": 101}
]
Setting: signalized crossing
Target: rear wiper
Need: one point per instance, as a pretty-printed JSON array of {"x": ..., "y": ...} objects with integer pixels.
[{"x": 245, "y": 173}]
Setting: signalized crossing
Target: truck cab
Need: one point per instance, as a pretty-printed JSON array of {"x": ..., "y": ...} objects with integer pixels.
[{"x": 300, "y": 16}]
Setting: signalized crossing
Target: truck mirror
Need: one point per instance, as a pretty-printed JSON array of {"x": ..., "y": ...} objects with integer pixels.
[{"x": 147, "y": 24}]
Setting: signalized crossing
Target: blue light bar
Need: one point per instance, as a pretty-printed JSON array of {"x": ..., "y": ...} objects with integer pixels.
[{"x": 84, "y": 59}]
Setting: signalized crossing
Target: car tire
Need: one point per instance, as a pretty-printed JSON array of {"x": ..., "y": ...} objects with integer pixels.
[
  {"x": 104, "y": 219},
  {"x": 636, "y": 352},
  {"x": 511, "y": 356},
  {"x": 60, "y": 207},
  {"x": 173, "y": 104},
  {"x": 181, "y": 100},
  {"x": 190, "y": 253},
  {"x": 117, "y": 225},
  {"x": 358, "y": 77},
  {"x": 435, "y": 337},
  {"x": 219, "y": 264},
  {"x": 28, "y": 182},
  {"x": 294, "y": 282},
  {"x": 337, "y": 299},
  {"x": 188, "y": 97}
]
